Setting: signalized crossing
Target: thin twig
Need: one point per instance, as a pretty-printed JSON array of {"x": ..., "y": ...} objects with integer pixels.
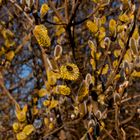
[
  {"x": 46, "y": 60},
  {"x": 55, "y": 10},
  {"x": 127, "y": 120},
  {"x": 109, "y": 134},
  {"x": 117, "y": 120},
  {"x": 130, "y": 98},
  {"x": 134, "y": 128},
  {"x": 25, "y": 39},
  {"x": 124, "y": 134},
  {"x": 53, "y": 23},
  {"x": 66, "y": 11},
  {"x": 90, "y": 15},
  {"x": 123, "y": 53},
  {"x": 7, "y": 92},
  {"x": 21, "y": 10},
  {"x": 74, "y": 12},
  {"x": 64, "y": 125}
]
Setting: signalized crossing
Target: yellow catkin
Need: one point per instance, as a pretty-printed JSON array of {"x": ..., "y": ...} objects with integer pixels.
[
  {"x": 62, "y": 89},
  {"x": 102, "y": 33},
  {"x": 46, "y": 103},
  {"x": 83, "y": 91},
  {"x": 44, "y": 9},
  {"x": 124, "y": 18},
  {"x": 136, "y": 33},
  {"x": 69, "y": 71},
  {"x": 92, "y": 26},
  {"x": 16, "y": 127},
  {"x": 112, "y": 25},
  {"x": 21, "y": 114},
  {"x": 42, "y": 92},
  {"x": 21, "y": 136},
  {"x": 10, "y": 55},
  {"x": 28, "y": 129},
  {"x": 41, "y": 34},
  {"x": 52, "y": 77},
  {"x": 53, "y": 104}
]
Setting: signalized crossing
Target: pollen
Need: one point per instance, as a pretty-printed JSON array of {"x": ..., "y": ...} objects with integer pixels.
[
  {"x": 69, "y": 71},
  {"x": 62, "y": 89}
]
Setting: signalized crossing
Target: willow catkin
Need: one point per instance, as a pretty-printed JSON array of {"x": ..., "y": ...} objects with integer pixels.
[{"x": 41, "y": 34}]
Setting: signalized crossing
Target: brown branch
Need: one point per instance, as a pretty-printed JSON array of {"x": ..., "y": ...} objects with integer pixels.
[
  {"x": 89, "y": 16},
  {"x": 47, "y": 63},
  {"x": 61, "y": 127},
  {"x": 37, "y": 5},
  {"x": 7, "y": 92},
  {"x": 22, "y": 82},
  {"x": 53, "y": 23},
  {"x": 112, "y": 138},
  {"x": 130, "y": 98},
  {"x": 24, "y": 41},
  {"x": 104, "y": 59},
  {"x": 74, "y": 12},
  {"x": 110, "y": 80},
  {"x": 117, "y": 120},
  {"x": 73, "y": 4},
  {"x": 66, "y": 11},
  {"x": 21, "y": 10},
  {"x": 98, "y": 7},
  {"x": 124, "y": 134},
  {"x": 127, "y": 120},
  {"x": 56, "y": 12},
  {"x": 134, "y": 128}
]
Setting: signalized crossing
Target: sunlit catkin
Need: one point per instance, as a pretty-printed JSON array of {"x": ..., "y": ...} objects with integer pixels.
[
  {"x": 92, "y": 26},
  {"x": 41, "y": 34},
  {"x": 112, "y": 26},
  {"x": 44, "y": 9}
]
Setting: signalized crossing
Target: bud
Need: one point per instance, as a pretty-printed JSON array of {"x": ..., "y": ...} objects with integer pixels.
[
  {"x": 88, "y": 78},
  {"x": 133, "y": 46},
  {"x": 57, "y": 52},
  {"x": 98, "y": 114},
  {"x": 116, "y": 97}
]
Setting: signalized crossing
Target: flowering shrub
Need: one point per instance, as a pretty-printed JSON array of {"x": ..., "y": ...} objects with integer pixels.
[{"x": 69, "y": 72}]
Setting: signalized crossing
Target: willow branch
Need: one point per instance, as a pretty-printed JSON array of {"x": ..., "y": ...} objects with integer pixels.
[
  {"x": 123, "y": 53},
  {"x": 74, "y": 11},
  {"x": 61, "y": 127},
  {"x": 47, "y": 63},
  {"x": 90, "y": 15},
  {"x": 66, "y": 11},
  {"x": 117, "y": 120},
  {"x": 53, "y": 23},
  {"x": 21, "y": 10},
  {"x": 55, "y": 10},
  {"x": 130, "y": 98},
  {"x": 7, "y": 92},
  {"x": 112, "y": 138},
  {"x": 25, "y": 39}
]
